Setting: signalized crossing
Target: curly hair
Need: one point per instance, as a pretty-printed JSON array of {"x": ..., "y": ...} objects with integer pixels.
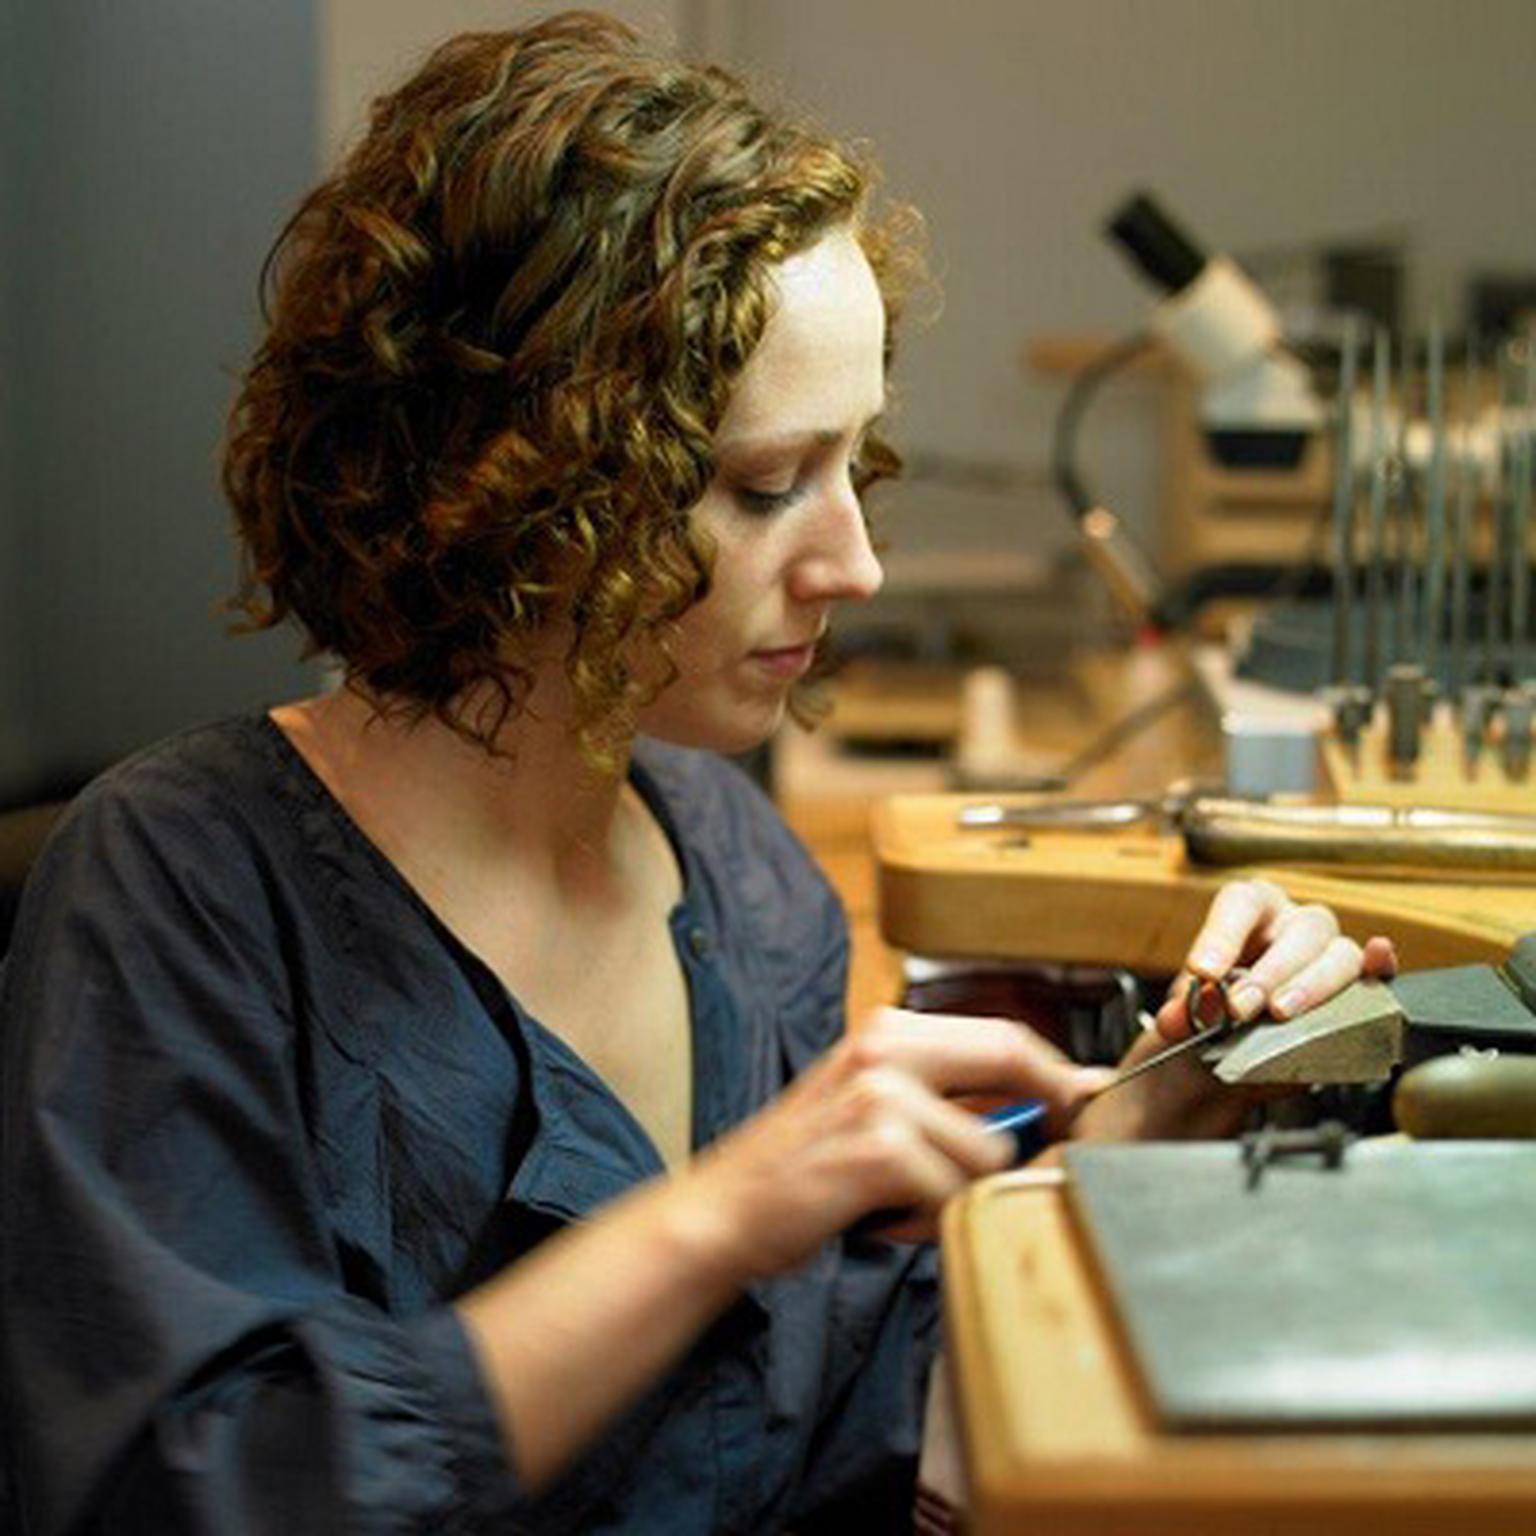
[{"x": 499, "y": 340}]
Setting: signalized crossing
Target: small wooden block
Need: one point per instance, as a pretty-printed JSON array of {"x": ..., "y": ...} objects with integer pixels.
[{"x": 1355, "y": 1037}]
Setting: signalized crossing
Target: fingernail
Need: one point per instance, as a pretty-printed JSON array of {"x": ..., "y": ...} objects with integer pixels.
[
  {"x": 1247, "y": 1000},
  {"x": 1288, "y": 1003},
  {"x": 1209, "y": 962}
]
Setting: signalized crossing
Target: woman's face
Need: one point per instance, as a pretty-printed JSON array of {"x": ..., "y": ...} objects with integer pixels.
[{"x": 788, "y": 531}]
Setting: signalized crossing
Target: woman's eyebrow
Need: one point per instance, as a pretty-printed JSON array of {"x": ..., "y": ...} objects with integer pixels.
[{"x": 770, "y": 442}]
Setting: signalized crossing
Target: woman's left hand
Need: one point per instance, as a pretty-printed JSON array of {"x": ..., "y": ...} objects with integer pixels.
[{"x": 1291, "y": 958}]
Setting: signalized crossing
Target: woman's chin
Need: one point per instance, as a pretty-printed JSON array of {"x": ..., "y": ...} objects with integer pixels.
[{"x": 727, "y": 730}]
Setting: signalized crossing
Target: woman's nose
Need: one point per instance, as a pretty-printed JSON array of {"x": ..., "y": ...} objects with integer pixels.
[{"x": 839, "y": 563}]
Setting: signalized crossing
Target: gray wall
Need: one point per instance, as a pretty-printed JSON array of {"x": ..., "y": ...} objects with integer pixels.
[
  {"x": 152, "y": 148},
  {"x": 1017, "y": 124},
  {"x": 149, "y": 149},
  {"x": 366, "y": 45}
]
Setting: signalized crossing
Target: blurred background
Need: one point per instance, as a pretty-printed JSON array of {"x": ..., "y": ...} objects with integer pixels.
[{"x": 1362, "y": 151}]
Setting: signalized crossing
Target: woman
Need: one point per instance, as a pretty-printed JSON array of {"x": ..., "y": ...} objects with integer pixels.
[{"x": 427, "y": 1106}]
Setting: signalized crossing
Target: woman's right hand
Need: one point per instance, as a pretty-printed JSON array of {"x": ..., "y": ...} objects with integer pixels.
[{"x": 871, "y": 1125}]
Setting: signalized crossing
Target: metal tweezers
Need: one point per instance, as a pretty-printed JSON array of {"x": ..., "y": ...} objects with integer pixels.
[{"x": 1226, "y": 1023}]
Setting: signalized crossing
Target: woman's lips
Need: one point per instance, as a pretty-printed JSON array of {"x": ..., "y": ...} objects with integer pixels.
[{"x": 790, "y": 661}]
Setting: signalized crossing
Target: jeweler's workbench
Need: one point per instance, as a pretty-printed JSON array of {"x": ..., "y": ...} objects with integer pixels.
[{"x": 1059, "y": 1428}]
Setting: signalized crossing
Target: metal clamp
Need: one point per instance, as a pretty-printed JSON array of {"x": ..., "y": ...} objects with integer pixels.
[{"x": 1268, "y": 1144}]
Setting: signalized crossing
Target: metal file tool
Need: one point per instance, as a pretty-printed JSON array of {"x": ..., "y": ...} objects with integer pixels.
[{"x": 1222, "y": 831}]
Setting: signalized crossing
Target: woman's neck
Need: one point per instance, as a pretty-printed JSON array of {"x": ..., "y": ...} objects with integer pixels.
[{"x": 442, "y": 806}]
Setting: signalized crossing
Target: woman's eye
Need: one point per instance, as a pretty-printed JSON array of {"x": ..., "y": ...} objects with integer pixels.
[
  {"x": 873, "y": 461},
  {"x": 763, "y": 502}
]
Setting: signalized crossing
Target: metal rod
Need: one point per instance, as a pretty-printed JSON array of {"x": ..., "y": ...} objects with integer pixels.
[
  {"x": 1434, "y": 531},
  {"x": 1375, "y": 572},
  {"x": 1519, "y": 715},
  {"x": 1520, "y": 533},
  {"x": 1247, "y": 835},
  {"x": 1519, "y": 701},
  {"x": 1461, "y": 538},
  {"x": 1405, "y": 716},
  {"x": 1493, "y": 600},
  {"x": 1403, "y": 625},
  {"x": 1344, "y": 510}
]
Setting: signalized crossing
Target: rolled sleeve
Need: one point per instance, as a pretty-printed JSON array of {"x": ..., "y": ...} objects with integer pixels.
[
  {"x": 483, "y": 1485},
  {"x": 341, "y": 1419},
  {"x": 182, "y": 1352}
]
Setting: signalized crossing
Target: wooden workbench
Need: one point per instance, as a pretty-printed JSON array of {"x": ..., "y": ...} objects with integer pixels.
[
  {"x": 1056, "y": 1435},
  {"x": 831, "y": 798},
  {"x": 1132, "y": 900},
  {"x": 1059, "y": 1438}
]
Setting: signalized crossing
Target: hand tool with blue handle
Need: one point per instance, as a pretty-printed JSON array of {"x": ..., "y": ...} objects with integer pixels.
[{"x": 1023, "y": 1122}]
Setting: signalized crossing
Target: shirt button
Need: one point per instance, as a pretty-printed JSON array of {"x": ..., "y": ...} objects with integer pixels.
[{"x": 700, "y": 943}]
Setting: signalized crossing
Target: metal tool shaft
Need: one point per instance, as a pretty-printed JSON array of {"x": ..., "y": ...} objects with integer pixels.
[
  {"x": 1519, "y": 715},
  {"x": 1498, "y": 570},
  {"x": 1520, "y": 532},
  {"x": 1221, "y": 1028},
  {"x": 1461, "y": 538},
  {"x": 1344, "y": 510},
  {"x": 1067, "y": 815},
  {"x": 1183, "y": 810},
  {"x": 1375, "y": 571},
  {"x": 1233, "y": 832},
  {"x": 1434, "y": 510},
  {"x": 1406, "y": 690},
  {"x": 1403, "y": 510},
  {"x": 1195, "y": 1042},
  {"x": 1519, "y": 705}
]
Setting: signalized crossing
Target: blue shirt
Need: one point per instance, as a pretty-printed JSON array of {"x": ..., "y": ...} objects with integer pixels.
[{"x": 263, "y": 1118}]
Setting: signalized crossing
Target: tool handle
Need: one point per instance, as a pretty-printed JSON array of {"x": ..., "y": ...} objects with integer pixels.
[
  {"x": 1226, "y": 833},
  {"x": 1468, "y": 1097},
  {"x": 1023, "y": 1122}
]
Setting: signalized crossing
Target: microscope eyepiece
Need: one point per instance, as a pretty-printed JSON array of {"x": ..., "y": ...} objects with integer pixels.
[{"x": 1157, "y": 245}]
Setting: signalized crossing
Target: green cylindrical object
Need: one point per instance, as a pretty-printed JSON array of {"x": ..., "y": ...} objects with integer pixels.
[{"x": 1468, "y": 1097}]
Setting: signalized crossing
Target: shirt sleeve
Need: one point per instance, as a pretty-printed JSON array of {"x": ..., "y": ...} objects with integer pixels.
[
  {"x": 180, "y": 1353},
  {"x": 861, "y": 1470}
]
